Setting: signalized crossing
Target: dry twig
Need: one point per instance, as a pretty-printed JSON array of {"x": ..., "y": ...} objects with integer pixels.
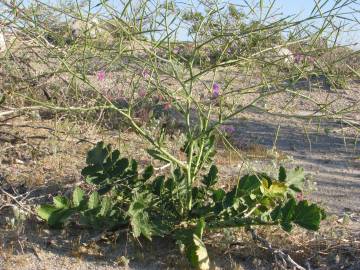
[
  {"x": 277, "y": 252},
  {"x": 18, "y": 202}
]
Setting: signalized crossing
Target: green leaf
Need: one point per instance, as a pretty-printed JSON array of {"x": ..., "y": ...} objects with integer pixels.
[
  {"x": 78, "y": 196},
  {"x": 282, "y": 174},
  {"x": 170, "y": 184},
  {"x": 276, "y": 213},
  {"x": 229, "y": 199},
  {"x": 105, "y": 189},
  {"x": 91, "y": 170},
  {"x": 134, "y": 165},
  {"x": 105, "y": 206},
  {"x": 211, "y": 178},
  {"x": 57, "y": 218},
  {"x": 115, "y": 155},
  {"x": 308, "y": 216},
  {"x": 200, "y": 227},
  {"x": 61, "y": 202},
  {"x": 218, "y": 195},
  {"x": 248, "y": 183},
  {"x": 197, "y": 254},
  {"x": 295, "y": 179},
  {"x": 140, "y": 225},
  {"x": 197, "y": 195},
  {"x": 139, "y": 218},
  {"x": 286, "y": 226},
  {"x": 120, "y": 167},
  {"x": 287, "y": 214},
  {"x": 178, "y": 175},
  {"x": 275, "y": 190},
  {"x": 45, "y": 211},
  {"x": 195, "y": 248},
  {"x": 149, "y": 171},
  {"x": 98, "y": 154},
  {"x": 94, "y": 200},
  {"x": 158, "y": 185}
]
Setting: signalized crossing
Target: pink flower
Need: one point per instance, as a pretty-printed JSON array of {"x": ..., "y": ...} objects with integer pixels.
[
  {"x": 143, "y": 114},
  {"x": 300, "y": 196},
  {"x": 142, "y": 92},
  {"x": 216, "y": 90},
  {"x": 167, "y": 106},
  {"x": 311, "y": 60},
  {"x": 157, "y": 98},
  {"x": 101, "y": 75},
  {"x": 146, "y": 74},
  {"x": 298, "y": 58},
  {"x": 229, "y": 129}
]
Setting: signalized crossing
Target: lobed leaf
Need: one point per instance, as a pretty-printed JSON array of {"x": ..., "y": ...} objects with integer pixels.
[
  {"x": 295, "y": 179},
  {"x": 98, "y": 154},
  {"x": 282, "y": 174},
  {"x": 61, "y": 202},
  {"x": 105, "y": 206},
  {"x": 211, "y": 178},
  {"x": 248, "y": 183},
  {"x": 45, "y": 211},
  {"x": 195, "y": 248},
  {"x": 94, "y": 200},
  {"x": 149, "y": 171},
  {"x": 308, "y": 216},
  {"x": 78, "y": 196}
]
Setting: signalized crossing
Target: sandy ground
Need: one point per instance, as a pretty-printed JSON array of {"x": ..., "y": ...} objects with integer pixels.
[{"x": 330, "y": 159}]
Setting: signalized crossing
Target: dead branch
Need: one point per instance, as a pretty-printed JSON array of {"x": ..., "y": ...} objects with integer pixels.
[
  {"x": 277, "y": 252},
  {"x": 19, "y": 203}
]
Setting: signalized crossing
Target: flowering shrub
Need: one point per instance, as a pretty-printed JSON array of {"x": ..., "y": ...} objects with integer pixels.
[{"x": 188, "y": 83}]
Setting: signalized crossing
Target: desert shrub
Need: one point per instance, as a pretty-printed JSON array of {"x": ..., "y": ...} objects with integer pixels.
[
  {"x": 177, "y": 205},
  {"x": 202, "y": 85}
]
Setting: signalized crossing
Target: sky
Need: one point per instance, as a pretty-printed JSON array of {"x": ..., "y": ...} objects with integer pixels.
[{"x": 302, "y": 8}]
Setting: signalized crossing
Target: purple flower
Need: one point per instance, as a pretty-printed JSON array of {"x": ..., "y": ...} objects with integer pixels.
[
  {"x": 298, "y": 58},
  {"x": 311, "y": 60},
  {"x": 300, "y": 196},
  {"x": 143, "y": 114},
  {"x": 146, "y": 74},
  {"x": 142, "y": 92},
  {"x": 229, "y": 129},
  {"x": 167, "y": 106},
  {"x": 101, "y": 75},
  {"x": 216, "y": 90}
]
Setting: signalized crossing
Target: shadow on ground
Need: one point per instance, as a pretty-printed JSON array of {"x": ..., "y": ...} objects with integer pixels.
[{"x": 330, "y": 158}]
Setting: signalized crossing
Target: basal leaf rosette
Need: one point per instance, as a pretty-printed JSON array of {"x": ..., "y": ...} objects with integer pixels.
[{"x": 153, "y": 204}]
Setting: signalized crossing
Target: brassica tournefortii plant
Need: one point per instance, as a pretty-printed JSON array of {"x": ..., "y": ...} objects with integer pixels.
[{"x": 184, "y": 203}]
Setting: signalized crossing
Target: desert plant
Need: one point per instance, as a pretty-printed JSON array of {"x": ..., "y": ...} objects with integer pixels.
[{"x": 158, "y": 205}]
